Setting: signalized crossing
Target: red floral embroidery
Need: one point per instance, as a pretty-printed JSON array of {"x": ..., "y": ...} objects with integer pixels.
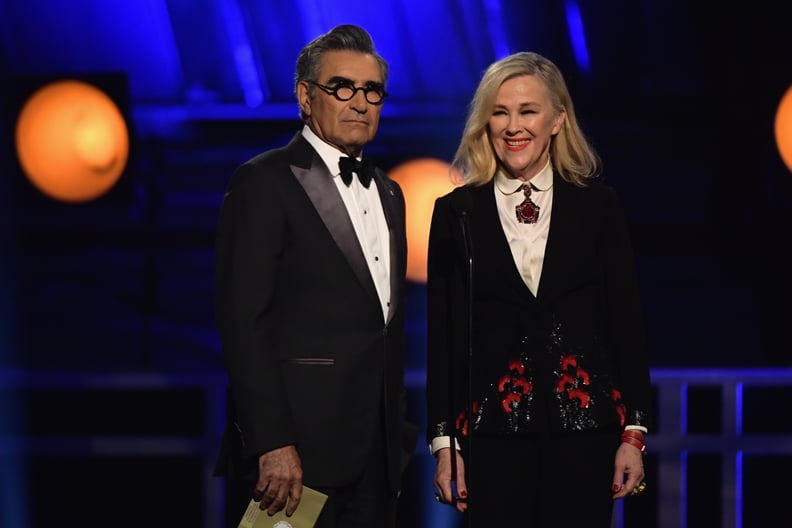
[
  {"x": 513, "y": 387},
  {"x": 621, "y": 409},
  {"x": 462, "y": 419},
  {"x": 523, "y": 384},
  {"x": 572, "y": 380},
  {"x": 563, "y": 381},
  {"x": 515, "y": 365},
  {"x": 568, "y": 361},
  {"x": 580, "y": 395},
  {"x": 510, "y": 401}
]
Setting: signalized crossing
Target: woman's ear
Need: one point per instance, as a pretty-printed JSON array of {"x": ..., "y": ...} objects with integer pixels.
[{"x": 559, "y": 122}]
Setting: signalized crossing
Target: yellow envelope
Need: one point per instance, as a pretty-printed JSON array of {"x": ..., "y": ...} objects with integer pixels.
[{"x": 305, "y": 516}]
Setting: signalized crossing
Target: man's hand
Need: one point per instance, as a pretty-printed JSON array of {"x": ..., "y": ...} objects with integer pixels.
[{"x": 280, "y": 479}]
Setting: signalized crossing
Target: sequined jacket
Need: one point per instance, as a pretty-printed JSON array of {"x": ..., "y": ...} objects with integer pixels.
[{"x": 571, "y": 358}]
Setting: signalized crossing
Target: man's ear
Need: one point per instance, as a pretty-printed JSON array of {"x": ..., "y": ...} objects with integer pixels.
[{"x": 304, "y": 97}]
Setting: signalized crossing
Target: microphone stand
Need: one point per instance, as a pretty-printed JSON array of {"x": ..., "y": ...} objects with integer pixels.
[{"x": 469, "y": 411}]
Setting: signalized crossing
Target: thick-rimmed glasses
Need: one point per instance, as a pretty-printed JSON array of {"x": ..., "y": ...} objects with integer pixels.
[{"x": 374, "y": 93}]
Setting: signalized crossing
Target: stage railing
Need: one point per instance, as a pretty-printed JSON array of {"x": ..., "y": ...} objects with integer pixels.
[
  {"x": 676, "y": 439},
  {"x": 672, "y": 443}
]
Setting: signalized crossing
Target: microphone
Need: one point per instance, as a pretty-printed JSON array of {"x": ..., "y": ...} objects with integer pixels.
[{"x": 463, "y": 204}]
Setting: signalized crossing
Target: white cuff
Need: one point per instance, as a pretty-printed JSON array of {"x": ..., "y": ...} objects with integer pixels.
[
  {"x": 441, "y": 442},
  {"x": 638, "y": 427}
]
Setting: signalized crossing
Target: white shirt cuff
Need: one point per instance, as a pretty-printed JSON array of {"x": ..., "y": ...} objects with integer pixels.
[
  {"x": 441, "y": 442},
  {"x": 638, "y": 427}
]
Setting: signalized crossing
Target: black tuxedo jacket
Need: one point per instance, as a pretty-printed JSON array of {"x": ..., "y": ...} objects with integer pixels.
[
  {"x": 311, "y": 359},
  {"x": 579, "y": 344}
]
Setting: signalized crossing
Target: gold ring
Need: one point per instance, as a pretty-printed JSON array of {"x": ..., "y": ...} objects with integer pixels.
[{"x": 637, "y": 490}]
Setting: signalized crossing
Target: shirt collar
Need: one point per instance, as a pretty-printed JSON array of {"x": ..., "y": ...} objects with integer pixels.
[
  {"x": 541, "y": 181},
  {"x": 329, "y": 154}
]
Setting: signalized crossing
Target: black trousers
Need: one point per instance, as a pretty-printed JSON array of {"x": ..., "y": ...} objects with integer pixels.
[
  {"x": 365, "y": 503},
  {"x": 559, "y": 480}
]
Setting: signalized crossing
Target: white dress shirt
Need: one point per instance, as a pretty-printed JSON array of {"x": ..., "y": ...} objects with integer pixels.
[
  {"x": 527, "y": 241},
  {"x": 368, "y": 218}
]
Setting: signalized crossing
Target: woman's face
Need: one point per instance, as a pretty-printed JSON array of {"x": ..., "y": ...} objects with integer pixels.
[{"x": 522, "y": 124}]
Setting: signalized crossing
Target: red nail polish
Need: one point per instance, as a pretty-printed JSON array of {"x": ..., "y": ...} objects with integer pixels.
[
  {"x": 616, "y": 488},
  {"x": 463, "y": 494}
]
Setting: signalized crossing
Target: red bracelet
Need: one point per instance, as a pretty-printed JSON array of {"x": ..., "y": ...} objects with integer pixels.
[
  {"x": 633, "y": 433},
  {"x": 638, "y": 438},
  {"x": 634, "y": 442}
]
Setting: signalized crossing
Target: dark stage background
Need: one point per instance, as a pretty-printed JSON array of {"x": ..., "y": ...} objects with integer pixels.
[{"x": 111, "y": 382}]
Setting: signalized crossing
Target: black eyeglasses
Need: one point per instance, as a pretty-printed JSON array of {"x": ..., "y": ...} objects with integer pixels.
[{"x": 373, "y": 93}]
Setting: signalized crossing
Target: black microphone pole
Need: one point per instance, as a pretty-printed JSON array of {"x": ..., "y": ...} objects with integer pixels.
[{"x": 465, "y": 223}]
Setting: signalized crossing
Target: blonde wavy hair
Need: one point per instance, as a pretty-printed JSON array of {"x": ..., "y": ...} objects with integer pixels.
[{"x": 572, "y": 156}]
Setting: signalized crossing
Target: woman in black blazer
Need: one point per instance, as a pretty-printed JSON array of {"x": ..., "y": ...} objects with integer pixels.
[{"x": 537, "y": 364}]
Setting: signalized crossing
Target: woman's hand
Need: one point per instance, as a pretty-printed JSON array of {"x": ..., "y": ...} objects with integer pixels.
[
  {"x": 628, "y": 473},
  {"x": 443, "y": 479}
]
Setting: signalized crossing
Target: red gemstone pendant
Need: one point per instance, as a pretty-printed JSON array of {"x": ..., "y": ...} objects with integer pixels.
[{"x": 527, "y": 211}]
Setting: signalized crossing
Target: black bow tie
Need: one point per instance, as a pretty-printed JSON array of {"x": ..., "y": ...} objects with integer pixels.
[{"x": 364, "y": 170}]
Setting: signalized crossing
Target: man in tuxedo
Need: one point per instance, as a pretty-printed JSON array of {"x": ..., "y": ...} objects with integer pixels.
[{"x": 310, "y": 280}]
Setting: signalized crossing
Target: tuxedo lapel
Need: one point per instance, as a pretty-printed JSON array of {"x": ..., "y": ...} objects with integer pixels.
[
  {"x": 398, "y": 250},
  {"x": 321, "y": 190}
]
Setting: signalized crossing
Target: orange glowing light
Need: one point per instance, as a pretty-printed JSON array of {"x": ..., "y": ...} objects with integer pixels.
[
  {"x": 783, "y": 128},
  {"x": 422, "y": 180},
  {"x": 72, "y": 141}
]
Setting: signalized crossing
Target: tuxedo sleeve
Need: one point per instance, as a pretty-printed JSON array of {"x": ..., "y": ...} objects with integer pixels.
[{"x": 250, "y": 238}]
